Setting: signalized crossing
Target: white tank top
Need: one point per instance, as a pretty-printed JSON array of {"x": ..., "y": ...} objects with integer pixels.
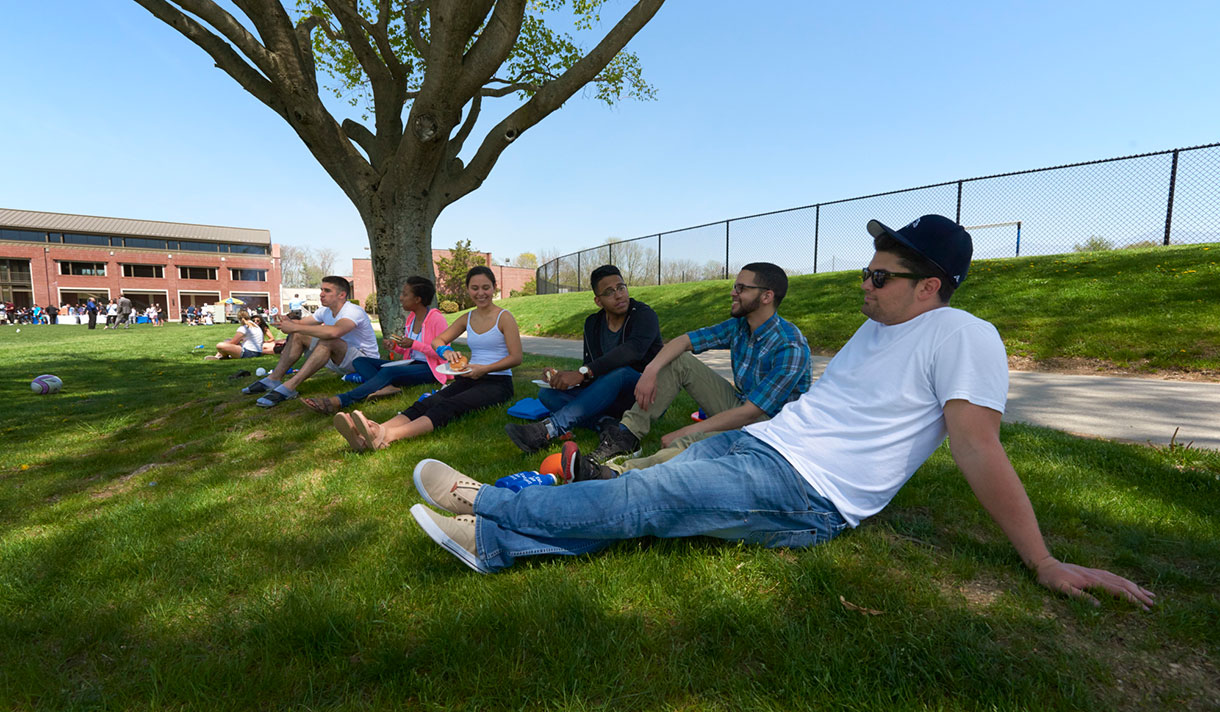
[{"x": 489, "y": 346}]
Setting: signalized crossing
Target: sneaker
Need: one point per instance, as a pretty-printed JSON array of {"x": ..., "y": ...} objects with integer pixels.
[
  {"x": 574, "y": 467},
  {"x": 442, "y": 486},
  {"x": 615, "y": 440},
  {"x": 530, "y": 437},
  {"x": 455, "y": 534}
]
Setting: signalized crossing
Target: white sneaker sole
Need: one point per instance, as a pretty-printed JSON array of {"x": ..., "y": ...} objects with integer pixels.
[{"x": 424, "y": 519}]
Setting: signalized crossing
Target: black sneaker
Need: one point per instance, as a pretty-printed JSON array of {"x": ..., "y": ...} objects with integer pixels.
[
  {"x": 616, "y": 440},
  {"x": 575, "y": 467},
  {"x": 530, "y": 437}
]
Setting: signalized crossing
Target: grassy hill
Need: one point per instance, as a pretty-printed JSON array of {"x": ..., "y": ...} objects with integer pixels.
[{"x": 1148, "y": 310}]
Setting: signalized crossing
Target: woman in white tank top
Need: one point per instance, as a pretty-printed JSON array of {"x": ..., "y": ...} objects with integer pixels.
[{"x": 495, "y": 345}]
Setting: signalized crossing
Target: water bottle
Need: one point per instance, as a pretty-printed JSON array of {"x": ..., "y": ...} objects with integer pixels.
[
  {"x": 353, "y": 378},
  {"x": 527, "y": 478}
]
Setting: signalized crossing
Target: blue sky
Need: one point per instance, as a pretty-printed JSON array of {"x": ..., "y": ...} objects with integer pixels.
[{"x": 108, "y": 111}]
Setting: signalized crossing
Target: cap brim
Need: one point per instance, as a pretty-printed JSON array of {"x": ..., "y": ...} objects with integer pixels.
[{"x": 877, "y": 229}]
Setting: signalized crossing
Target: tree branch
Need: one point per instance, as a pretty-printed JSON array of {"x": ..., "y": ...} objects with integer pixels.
[
  {"x": 506, "y": 90},
  {"x": 226, "y": 59},
  {"x": 411, "y": 18},
  {"x": 456, "y": 143},
  {"x": 364, "y": 138},
  {"x": 233, "y": 31},
  {"x": 550, "y": 97},
  {"x": 494, "y": 45}
]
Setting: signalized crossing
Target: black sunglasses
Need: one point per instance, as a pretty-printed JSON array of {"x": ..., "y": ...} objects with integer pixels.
[{"x": 880, "y": 276}]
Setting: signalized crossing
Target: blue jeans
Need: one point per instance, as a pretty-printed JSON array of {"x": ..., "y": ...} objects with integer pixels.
[
  {"x": 584, "y": 404},
  {"x": 376, "y": 377},
  {"x": 731, "y": 486}
]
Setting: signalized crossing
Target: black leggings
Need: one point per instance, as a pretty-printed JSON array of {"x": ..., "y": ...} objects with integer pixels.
[{"x": 462, "y": 396}]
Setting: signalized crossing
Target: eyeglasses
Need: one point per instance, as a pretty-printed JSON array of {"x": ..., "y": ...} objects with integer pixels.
[
  {"x": 880, "y": 276},
  {"x": 739, "y": 287},
  {"x": 619, "y": 288}
]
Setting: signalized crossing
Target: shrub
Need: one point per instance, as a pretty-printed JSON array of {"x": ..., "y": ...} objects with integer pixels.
[{"x": 448, "y": 306}]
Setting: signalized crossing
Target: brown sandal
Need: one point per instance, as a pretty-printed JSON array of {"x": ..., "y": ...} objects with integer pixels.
[
  {"x": 364, "y": 428},
  {"x": 320, "y": 405},
  {"x": 343, "y": 423}
]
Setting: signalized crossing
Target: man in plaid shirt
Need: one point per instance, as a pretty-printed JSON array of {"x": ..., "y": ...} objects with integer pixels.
[{"x": 770, "y": 360}]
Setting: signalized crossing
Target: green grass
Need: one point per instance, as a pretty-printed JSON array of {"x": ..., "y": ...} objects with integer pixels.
[
  {"x": 166, "y": 544},
  {"x": 1149, "y": 310}
]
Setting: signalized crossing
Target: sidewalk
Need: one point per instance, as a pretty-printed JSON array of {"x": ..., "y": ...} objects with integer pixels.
[{"x": 1140, "y": 410}]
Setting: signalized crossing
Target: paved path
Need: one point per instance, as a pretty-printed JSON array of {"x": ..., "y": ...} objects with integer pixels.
[{"x": 1136, "y": 409}]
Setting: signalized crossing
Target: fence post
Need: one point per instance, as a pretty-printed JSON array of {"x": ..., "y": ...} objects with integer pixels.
[
  {"x": 658, "y": 260},
  {"x": 578, "y": 271},
  {"x": 611, "y": 253},
  {"x": 1173, "y": 180},
  {"x": 817, "y": 220},
  {"x": 1018, "y": 238},
  {"x": 726, "y": 249},
  {"x": 959, "y": 203}
]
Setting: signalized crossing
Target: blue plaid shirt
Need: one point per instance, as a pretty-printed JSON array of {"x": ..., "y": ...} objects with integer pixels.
[{"x": 770, "y": 366}]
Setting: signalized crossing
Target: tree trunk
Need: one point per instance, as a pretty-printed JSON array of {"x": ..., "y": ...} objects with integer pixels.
[{"x": 400, "y": 242}]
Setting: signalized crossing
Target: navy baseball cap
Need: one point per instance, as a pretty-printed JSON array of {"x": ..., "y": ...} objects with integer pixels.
[{"x": 937, "y": 238}]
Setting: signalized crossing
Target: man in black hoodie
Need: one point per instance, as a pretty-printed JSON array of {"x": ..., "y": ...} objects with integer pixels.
[{"x": 620, "y": 339}]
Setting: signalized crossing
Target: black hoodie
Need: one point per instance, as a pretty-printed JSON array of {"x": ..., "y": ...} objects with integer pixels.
[{"x": 639, "y": 339}]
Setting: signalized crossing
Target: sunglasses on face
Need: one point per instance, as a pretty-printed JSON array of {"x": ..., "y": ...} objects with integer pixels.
[{"x": 881, "y": 276}]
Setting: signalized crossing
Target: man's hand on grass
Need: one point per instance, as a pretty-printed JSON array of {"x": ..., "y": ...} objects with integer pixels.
[{"x": 1076, "y": 580}]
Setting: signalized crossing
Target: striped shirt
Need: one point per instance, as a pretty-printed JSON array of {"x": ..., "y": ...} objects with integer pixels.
[{"x": 770, "y": 366}]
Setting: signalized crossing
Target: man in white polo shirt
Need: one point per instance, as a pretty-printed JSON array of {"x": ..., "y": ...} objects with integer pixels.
[
  {"x": 334, "y": 337},
  {"x": 915, "y": 371}
]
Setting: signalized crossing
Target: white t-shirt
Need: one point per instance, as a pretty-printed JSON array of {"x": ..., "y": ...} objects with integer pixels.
[
  {"x": 877, "y": 413},
  {"x": 251, "y": 338},
  {"x": 362, "y": 338}
]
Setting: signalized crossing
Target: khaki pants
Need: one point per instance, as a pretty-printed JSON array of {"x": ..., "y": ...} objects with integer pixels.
[
  {"x": 713, "y": 394},
  {"x": 663, "y": 455}
]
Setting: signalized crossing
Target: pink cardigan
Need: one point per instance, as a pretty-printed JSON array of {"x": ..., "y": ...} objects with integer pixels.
[{"x": 434, "y": 324}]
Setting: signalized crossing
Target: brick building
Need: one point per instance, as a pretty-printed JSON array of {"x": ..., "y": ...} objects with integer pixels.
[
  {"x": 64, "y": 259},
  {"x": 508, "y": 279}
]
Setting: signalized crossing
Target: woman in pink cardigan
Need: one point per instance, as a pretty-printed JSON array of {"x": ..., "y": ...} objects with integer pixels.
[{"x": 417, "y": 360}]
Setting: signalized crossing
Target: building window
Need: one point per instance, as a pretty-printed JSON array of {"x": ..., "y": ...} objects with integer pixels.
[
  {"x": 99, "y": 240},
  {"x": 249, "y": 249},
  {"x": 196, "y": 273},
  {"x": 142, "y": 243},
  {"x": 248, "y": 275},
  {"x": 83, "y": 269},
  {"x": 23, "y": 235},
  {"x": 15, "y": 282},
  {"x": 154, "y": 271},
  {"x": 193, "y": 246}
]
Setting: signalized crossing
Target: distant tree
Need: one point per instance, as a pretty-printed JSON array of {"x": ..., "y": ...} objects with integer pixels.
[
  {"x": 370, "y": 304},
  {"x": 1095, "y": 243},
  {"x": 419, "y": 70},
  {"x": 305, "y": 266},
  {"x": 526, "y": 260},
  {"x": 451, "y": 273}
]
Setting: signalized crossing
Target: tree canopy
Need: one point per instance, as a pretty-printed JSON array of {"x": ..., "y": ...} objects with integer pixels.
[{"x": 419, "y": 71}]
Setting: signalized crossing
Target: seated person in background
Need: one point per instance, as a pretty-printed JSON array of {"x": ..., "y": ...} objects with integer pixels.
[
  {"x": 417, "y": 362},
  {"x": 770, "y": 359},
  {"x": 268, "y": 334},
  {"x": 619, "y": 341},
  {"x": 487, "y": 380},
  {"x": 915, "y": 371},
  {"x": 334, "y": 337},
  {"x": 246, "y": 343}
]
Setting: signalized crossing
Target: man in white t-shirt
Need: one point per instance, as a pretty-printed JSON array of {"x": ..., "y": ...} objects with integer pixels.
[
  {"x": 334, "y": 337},
  {"x": 914, "y": 372}
]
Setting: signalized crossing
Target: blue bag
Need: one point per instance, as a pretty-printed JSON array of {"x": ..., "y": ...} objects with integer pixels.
[{"x": 529, "y": 409}]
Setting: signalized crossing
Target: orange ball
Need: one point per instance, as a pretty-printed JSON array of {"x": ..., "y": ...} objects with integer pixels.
[{"x": 550, "y": 465}]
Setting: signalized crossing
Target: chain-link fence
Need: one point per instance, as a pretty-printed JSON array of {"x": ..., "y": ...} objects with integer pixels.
[{"x": 1164, "y": 198}]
